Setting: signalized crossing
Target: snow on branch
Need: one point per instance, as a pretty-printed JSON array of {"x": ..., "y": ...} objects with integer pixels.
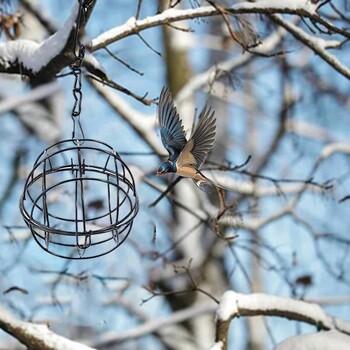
[
  {"x": 133, "y": 26},
  {"x": 36, "y": 336},
  {"x": 33, "y": 56},
  {"x": 335, "y": 147},
  {"x": 329, "y": 150},
  {"x": 317, "y": 45},
  {"x": 41, "y": 61},
  {"x": 252, "y": 188},
  {"x": 302, "y": 8},
  {"x": 234, "y": 305},
  {"x": 285, "y": 6},
  {"x": 319, "y": 341}
]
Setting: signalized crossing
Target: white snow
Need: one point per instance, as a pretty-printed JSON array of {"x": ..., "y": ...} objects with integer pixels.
[
  {"x": 228, "y": 306},
  {"x": 90, "y": 59},
  {"x": 327, "y": 44},
  {"x": 172, "y": 15},
  {"x": 34, "y": 56},
  {"x": 335, "y": 147},
  {"x": 235, "y": 304},
  {"x": 232, "y": 302},
  {"x": 21, "y": 50},
  {"x": 217, "y": 346},
  {"x": 317, "y": 341},
  {"x": 306, "y": 5},
  {"x": 131, "y": 22},
  {"x": 342, "y": 325},
  {"x": 38, "y": 333}
]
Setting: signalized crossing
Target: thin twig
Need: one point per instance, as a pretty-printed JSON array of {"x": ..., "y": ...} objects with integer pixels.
[
  {"x": 122, "y": 89},
  {"x": 168, "y": 189},
  {"x": 148, "y": 45},
  {"x": 123, "y": 62},
  {"x": 138, "y": 10}
]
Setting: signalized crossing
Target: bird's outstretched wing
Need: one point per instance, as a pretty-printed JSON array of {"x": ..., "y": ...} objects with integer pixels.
[
  {"x": 201, "y": 141},
  {"x": 171, "y": 129}
]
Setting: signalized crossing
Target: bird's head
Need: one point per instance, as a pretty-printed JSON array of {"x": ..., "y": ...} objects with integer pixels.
[{"x": 165, "y": 167}]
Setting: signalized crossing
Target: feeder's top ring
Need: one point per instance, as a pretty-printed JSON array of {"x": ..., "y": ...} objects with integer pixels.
[{"x": 79, "y": 200}]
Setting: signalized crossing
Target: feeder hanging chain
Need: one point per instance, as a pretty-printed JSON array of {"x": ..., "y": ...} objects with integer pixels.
[
  {"x": 76, "y": 71},
  {"x": 75, "y": 66}
]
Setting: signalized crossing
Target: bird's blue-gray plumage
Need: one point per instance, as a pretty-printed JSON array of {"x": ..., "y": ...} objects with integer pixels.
[
  {"x": 171, "y": 129},
  {"x": 167, "y": 167},
  {"x": 203, "y": 136}
]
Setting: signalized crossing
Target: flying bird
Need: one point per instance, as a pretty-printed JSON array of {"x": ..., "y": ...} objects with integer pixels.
[{"x": 185, "y": 156}]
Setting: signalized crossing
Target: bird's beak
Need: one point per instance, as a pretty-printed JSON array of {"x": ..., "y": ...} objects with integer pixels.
[{"x": 159, "y": 173}]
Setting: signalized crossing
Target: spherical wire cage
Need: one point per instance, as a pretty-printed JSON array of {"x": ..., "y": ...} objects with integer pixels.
[{"x": 79, "y": 200}]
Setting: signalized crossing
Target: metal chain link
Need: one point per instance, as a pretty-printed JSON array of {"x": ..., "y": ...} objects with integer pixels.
[
  {"x": 76, "y": 71},
  {"x": 75, "y": 67}
]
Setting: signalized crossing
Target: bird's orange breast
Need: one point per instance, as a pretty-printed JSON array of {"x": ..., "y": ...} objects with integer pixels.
[
  {"x": 186, "y": 171},
  {"x": 189, "y": 171}
]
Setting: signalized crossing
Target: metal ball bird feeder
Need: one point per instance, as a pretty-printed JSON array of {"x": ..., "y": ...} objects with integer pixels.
[{"x": 79, "y": 200}]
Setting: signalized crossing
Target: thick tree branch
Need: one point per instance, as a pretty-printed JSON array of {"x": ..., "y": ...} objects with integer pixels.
[
  {"x": 133, "y": 26},
  {"x": 235, "y": 305},
  {"x": 41, "y": 62},
  {"x": 35, "y": 336}
]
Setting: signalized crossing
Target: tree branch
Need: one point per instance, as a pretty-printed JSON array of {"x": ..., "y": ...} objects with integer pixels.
[
  {"x": 317, "y": 45},
  {"x": 133, "y": 26},
  {"x": 36, "y": 336},
  {"x": 41, "y": 62},
  {"x": 154, "y": 325},
  {"x": 235, "y": 305}
]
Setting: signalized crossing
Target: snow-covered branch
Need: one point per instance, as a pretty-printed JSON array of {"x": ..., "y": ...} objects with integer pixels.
[
  {"x": 317, "y": 45},
  {"x": 305, "y": 129},
  {"x": 36, "y": 336},
  {"x": 320, "y": 341},
  {"x": 133, "y": 26},
  {"x": 234, "y": 305},
  {"x": 329, "y": 150},
  {"x": 335, "y": 147},
  {"x": 258, "y": 189},
  {"x": 255, "y": 224},
  {"x": 42, "y": 61}
]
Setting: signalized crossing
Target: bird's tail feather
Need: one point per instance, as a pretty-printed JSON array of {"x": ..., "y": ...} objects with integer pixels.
[{"x": 206, "y": 184}]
